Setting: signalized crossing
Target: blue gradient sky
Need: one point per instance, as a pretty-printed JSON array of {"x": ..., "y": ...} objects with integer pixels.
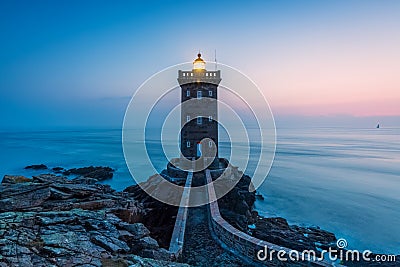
[{"x": 76, "y": 63}]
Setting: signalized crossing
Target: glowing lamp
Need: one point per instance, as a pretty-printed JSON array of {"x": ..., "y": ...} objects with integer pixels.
[{"x": 199, "y": 63}]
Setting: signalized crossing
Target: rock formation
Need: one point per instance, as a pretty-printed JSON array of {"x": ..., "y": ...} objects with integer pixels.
[{"x": 50, "y": 220}]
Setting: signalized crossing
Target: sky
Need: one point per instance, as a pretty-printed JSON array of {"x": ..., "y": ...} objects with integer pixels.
[{"x": 77, "y": 63}]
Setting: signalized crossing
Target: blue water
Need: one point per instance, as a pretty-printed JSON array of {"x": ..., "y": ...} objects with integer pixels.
[{"x": 344, "y": 180}]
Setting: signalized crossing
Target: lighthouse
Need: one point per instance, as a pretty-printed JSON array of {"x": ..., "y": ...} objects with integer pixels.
[{"x": 199, "y": 113}]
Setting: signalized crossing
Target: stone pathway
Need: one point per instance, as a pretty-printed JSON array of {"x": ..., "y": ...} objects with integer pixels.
[{"x": 200, "y": 249}]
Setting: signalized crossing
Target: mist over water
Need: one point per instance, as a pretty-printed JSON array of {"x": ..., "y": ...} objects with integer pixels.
[{"x": 343, "y": 180}]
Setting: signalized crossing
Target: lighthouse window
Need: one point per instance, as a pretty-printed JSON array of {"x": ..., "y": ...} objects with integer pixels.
[
  {"x": 199, "y": 120},
  {"x": 209, "y": 93},
  {"x": 187, "y": 143},
  {"x": 199, "y": 94},
  {"x": 187, "y": 118},
  {"x": 210, "y": 143},
  {"x": 187, "y": 93}
]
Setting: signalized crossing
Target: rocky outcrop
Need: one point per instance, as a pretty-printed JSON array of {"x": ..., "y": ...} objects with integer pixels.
[
  {"x": 50, "y": 220},
  {"x": 158, "y": 217},
  {"x": 49, "y": 192},
  {"x": 277, "y": 231},
  {"x": 14, "y": 179},
  {"x": 57, "y": 169},
  {"x": 237, "y": 205},
  {"x": 36, "y": 167},
  {"x": 98, "y": 173}
]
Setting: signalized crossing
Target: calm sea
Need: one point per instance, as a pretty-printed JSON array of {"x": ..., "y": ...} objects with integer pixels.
[{"x": 344, "y": 180}]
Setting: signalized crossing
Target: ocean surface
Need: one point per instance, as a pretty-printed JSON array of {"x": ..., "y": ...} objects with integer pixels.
[{"x": 344, "y": 180}]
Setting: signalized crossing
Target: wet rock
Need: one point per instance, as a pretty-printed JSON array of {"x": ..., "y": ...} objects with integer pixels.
[
  {"x": 160, "y": 254},
  {"x": 115, "y": 262},
  {"x": 98, "y": 173},
  {"x": 85, "y": 180},
  {"x": 23, "y": 196},
  {"x": 109, "y": 243},
  {"x": 49, "y": 178},
  {"x": 241, "y": 207},
  {"x": 36, "y": 167},
  {"x": 57, "y": 169},
  {"x": 58, "y": 194},
  {"x": 259, "y": 197},
  {"x": 138, "y": 230},
  {"x": 14, "y": 179},
  {"x": 148, "y": 243}
]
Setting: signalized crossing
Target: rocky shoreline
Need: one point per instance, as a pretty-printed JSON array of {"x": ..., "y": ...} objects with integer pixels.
[
  {"x": 66, "y": 218},
  {"x": 50, "y": 220}
]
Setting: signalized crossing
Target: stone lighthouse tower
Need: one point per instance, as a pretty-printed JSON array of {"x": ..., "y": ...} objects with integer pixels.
[{"x": 199, "y": 113}]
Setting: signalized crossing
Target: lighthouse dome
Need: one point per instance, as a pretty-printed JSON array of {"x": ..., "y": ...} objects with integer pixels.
[{"x": 199, "y": 63}]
